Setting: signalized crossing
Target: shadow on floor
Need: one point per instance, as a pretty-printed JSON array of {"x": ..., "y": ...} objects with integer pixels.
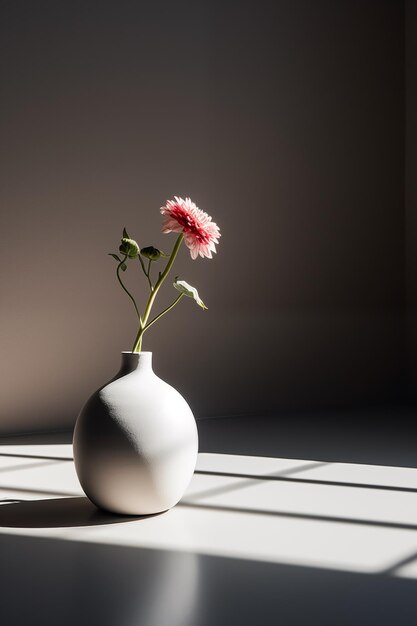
[
  {"x": 58, "y": 513},
  {"x": 37, "y": 438},
  {"x": 82, "y": 583},
  {"x": 376, "y": 437}
]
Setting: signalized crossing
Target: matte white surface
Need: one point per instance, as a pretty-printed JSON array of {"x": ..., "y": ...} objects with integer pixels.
[
  {"x": 135, "y": 441},
  {"x": 341, "y": 516},
  {"x": 334, "y": 517}
]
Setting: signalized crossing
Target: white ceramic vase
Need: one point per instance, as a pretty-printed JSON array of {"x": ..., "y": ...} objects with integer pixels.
[{"x": 135, "y": 441}]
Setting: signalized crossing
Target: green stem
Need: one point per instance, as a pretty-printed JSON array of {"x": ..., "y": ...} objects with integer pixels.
[
  {"x": 145, "y": 272},
  {"x": 141, "y": 262},
  {"x": 138, "y": 341},
  {"x": 127, "y": 291},
  {"x": 157, "y": 317},
  {"x": 148, "y": 276}
]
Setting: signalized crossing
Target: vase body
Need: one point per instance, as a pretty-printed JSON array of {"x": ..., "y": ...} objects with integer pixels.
[{"x": 135, "y": 441}]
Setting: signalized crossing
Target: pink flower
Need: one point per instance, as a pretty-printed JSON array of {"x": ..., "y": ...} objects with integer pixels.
[{"x": 200, "y": 232}]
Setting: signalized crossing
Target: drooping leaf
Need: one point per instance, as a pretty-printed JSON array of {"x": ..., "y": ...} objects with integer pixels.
[
  {"x": 123, "y": 267},
  {"x": 115, "y": 257},
  {"x": 189, "y": 291}
]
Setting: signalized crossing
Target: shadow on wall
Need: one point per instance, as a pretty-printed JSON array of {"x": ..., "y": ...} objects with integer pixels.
[{"x": 293, "y": 143}]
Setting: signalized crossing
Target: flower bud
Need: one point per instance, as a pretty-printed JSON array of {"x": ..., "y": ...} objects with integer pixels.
[
  {"x": 151, "y": 253},
  {"x": 129, "y": 247}
]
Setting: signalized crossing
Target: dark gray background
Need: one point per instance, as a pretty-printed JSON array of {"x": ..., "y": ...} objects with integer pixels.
[
  {"x": 411, "y": 193},
  {"x": 286, "y": 121}
]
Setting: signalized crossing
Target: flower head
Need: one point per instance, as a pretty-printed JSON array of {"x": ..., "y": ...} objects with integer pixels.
[{"x": 200, "y": 232}]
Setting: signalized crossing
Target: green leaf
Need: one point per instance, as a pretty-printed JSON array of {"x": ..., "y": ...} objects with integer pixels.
[
  {"x": 115, "y": 257},
  {"x": 129, "y": 247},
  {"x": 151, "y": 253},
  {"x": 123, "y": 267},
  {"x": 125, "y": 235}
]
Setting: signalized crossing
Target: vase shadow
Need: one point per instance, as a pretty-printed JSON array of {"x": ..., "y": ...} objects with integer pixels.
[{"x": 58, "y": 513}]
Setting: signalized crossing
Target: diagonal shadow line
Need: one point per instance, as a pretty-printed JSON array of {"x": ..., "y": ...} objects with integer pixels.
[
  {"x": 60, "y": 493},
  {"x": 392, "y": 570},
  {"x": 284, "y": 514},
  {"x": 313, "y": 481},
  {"x": 36, "y": 456},
  {"x": 304, "y": 516},
  {"x": 26, "y": 466},
  {"x": 253, "y": 480},
  {"x": 41, "y": 491}
]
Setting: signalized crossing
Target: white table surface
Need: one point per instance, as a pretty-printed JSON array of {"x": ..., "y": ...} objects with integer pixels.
[{"x": 255, "y": 540}]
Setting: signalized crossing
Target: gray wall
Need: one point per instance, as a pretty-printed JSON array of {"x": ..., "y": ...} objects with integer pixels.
[
  {"x": 283, "y": 119},
  {"x": 411, "y": 192}
]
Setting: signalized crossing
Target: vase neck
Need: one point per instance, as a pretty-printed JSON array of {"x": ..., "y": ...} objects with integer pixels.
[{"x": 134, "y": 362}]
